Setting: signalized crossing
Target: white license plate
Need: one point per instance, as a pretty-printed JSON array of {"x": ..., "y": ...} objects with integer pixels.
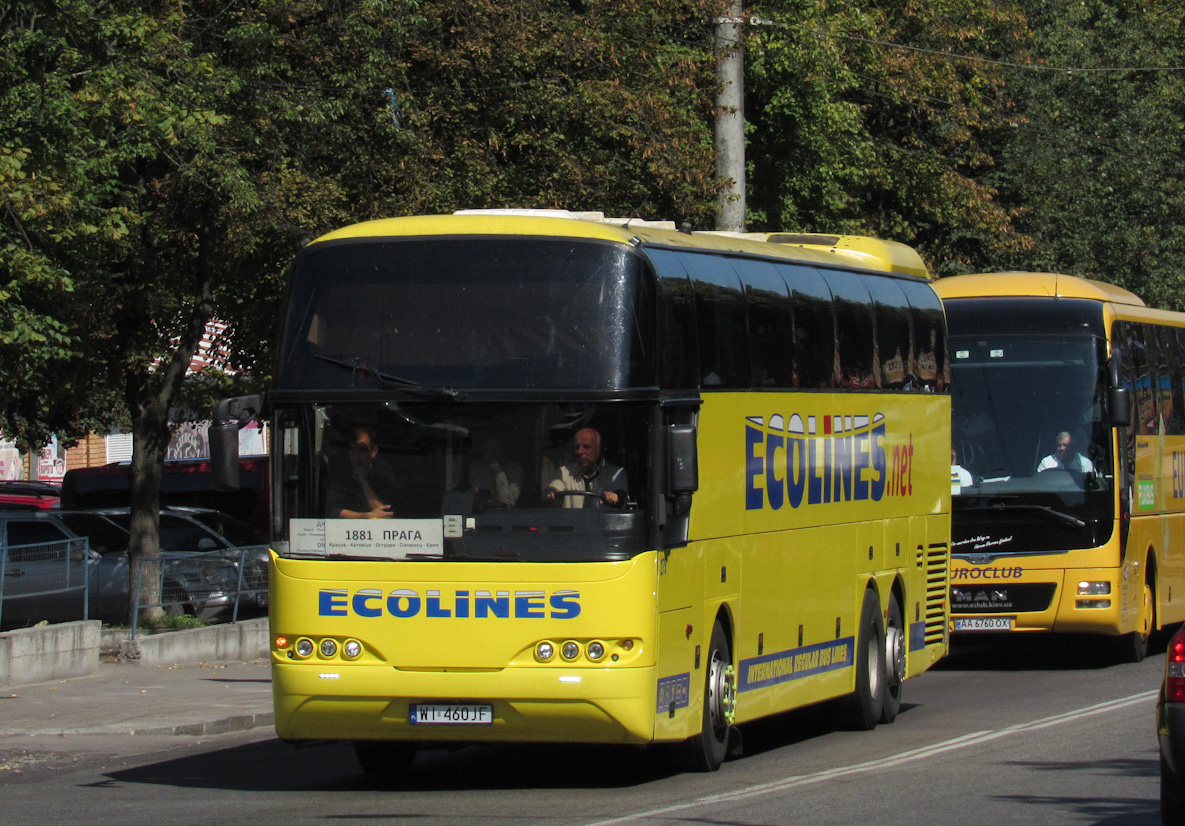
[
  {"x": 984, "y": 623},
  {"x": 451, "y": 714}
]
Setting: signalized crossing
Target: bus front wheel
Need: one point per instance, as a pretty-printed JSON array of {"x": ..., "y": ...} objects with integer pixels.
[
  {"x": 384, "y": 759},
  {"x": 706, "y": 751},
  {"x": 1133, "y": 647},
  {"x": 862, "y": 709}
]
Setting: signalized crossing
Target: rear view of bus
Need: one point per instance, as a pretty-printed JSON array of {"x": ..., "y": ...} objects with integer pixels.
[
  {"x": 1066, "y": 427},
  {"x": 545, "y": 479}
]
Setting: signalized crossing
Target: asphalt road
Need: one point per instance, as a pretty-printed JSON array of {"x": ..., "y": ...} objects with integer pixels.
[{"x": 1046, "y": 733}]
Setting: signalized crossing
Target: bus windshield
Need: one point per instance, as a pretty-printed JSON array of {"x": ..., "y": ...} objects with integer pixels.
[
  {"x": 467, "y": 313},
  {"x": 445, "y": 480},
  {"x": 1016, "y": 398}
]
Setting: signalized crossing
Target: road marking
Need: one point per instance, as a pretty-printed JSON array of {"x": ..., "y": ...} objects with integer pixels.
[{"x": 962, "y": 742}]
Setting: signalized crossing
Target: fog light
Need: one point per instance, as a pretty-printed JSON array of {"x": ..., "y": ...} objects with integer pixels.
[
  {"x": 595, "y": 651},
  {"x": 304, "y": 648},
  {"x": 328, "y": 648},
  {"x": 1094, "y": 603},
  {"x": 352, "y": 649},
  {"x": 1093, "y": 589},
  {"x": 570, "y": 651},
  {"x": 544, "y": 651}
]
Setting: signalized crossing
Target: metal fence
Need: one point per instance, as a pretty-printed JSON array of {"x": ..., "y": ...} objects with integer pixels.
[
  {"x": 52, "y": 580},
  {"x": 215, "y": 586},
  {"x": 45, "y": 570}
]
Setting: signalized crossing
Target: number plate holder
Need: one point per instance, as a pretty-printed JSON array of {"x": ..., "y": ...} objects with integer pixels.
[
  {"x": 984, "y": 623},
  {"x": 451, "y": 714}
]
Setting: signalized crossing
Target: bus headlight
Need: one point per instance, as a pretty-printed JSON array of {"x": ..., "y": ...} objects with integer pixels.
[
  {"x": 328, "y": 647},
  {"x": 303, "y": 648},
  {"x": 544, "y": 651},
  {"x": 352, "y": 649},
  {"x": 1093, "y": 589},
  {"x": 570, "y": 650},
  {"x": 595, "y": 651}
]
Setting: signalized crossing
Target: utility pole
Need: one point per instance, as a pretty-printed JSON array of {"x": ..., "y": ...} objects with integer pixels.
[{"x": 730, "y": 118}]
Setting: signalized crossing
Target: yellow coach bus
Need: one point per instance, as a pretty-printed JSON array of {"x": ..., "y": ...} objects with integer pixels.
[
  {"x": 1069, "y": 449},
  {"x": 546, "y": 478}
]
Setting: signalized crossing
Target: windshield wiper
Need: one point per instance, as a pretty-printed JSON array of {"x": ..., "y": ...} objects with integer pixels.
[
  {"x": 359, "y": 367},
  {"x": 1044, "y": 510}
]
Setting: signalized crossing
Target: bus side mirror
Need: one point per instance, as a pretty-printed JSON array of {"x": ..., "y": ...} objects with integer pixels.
[
  {"x": 1120, "y": 403},
  {"x": 1119, "y": 398},
  {"x": 682, "y": 462},
  {"x": 230, "y": 415}
]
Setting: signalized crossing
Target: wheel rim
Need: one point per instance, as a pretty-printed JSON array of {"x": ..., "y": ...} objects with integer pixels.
[
  {"x": 895, "y": 654},
  {"x": 722, "y": 693}
]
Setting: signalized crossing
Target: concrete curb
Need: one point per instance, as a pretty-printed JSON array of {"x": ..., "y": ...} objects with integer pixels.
[
  {"x": 243, "y": 640},
  {"x": 225, "y": 725},
  {"x": 51, "y": 652}
]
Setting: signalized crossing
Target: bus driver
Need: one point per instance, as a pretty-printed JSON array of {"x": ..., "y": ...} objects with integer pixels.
[{"x": 589, "y": 476}]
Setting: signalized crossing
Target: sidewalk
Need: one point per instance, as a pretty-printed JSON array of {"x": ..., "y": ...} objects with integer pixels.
[{"x": 122, "y": 698}]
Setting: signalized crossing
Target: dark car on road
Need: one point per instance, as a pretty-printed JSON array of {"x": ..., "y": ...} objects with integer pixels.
[{"x": 1170, "y": 729}]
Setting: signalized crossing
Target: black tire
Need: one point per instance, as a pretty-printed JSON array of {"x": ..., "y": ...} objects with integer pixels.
[
  {"x": 1172, "y": 796},
  {"x": 895, "y": 650},
  {"x": 174, "y": 599},
  {"x": 706, "y": 751},
  {"x": 385, "y": 760},
  {"x": 862, "y": 709}
]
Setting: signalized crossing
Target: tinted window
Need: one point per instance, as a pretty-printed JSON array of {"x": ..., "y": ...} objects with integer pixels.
[
  {"x": 894, "y": 339},
  {"x": 720, "y": 318},
  {"x": 680, "y": 348},
  {"x": 34, "y": 532},
  {"x": 104, "y": 535},
  {"x": 854, "y": 327},
  {"x": 771, "y": 324},
  {"x": 929, "y": 334},
  {"x": 469, "y": 313},
  {"x": 815, "y": 358}
]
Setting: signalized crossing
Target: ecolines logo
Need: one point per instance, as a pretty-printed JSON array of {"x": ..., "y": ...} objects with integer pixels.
[
  {"x": 405, "y": 603},
  {"x": 821, "y": 460}
]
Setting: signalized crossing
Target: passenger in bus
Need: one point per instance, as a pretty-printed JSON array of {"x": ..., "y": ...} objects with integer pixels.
[
  {"x": 589, "y": 477},
  {"x": 366, "y": 490},
  {"x": 495, "y": 477},
  {"x": 1065, "y": 457},
  {"x": 960, "y": 477}
]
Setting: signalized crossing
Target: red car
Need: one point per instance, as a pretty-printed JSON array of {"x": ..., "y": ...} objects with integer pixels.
[
  {"x": 29, "y": 495},
  {"x": 1170, "y": 728}
]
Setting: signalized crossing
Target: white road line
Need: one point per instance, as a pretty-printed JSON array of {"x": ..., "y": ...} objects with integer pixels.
[{"x": 973, "y": 739}]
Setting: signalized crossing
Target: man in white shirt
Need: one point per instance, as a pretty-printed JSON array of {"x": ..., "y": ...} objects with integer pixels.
[{"x": 1064, "y": 457}]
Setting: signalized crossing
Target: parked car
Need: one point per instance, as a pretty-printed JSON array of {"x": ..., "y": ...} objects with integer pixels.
[
  {"x": 200, "y": 530},
  {"x": 44, "y": 559},
  {"x": 1170, "y": 729},
  {"x": 31, "y": 495}
]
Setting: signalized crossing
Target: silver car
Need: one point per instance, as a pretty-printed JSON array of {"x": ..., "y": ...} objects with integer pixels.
[{"x": 60, "y": 566}]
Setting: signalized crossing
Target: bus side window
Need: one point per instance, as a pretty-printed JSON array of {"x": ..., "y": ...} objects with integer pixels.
[
  {"x": 721, "y": 322},
  {"x": 815, "y": 359},
  {"x": 676, "y": 299},
  {"x": 894, "y": 335},
  {"x": 855, "y": 326},
  {"x": 770, "y": 322}
]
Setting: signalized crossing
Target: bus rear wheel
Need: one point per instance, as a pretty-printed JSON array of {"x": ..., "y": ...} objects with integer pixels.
[
  {"x": 894, "y": 660},
  {"x": 384, "y": 759},
  {"x": 862, "y": 709},
  {"x": 706, "y": 751}
]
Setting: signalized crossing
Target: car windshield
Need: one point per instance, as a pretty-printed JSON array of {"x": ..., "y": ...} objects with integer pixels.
[{"x": 500, "y": 481}]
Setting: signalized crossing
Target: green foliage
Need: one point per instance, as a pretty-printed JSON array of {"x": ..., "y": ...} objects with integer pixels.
[
  {"x": 867, "y": 120},
  {"x": 1093, "y": 166}
]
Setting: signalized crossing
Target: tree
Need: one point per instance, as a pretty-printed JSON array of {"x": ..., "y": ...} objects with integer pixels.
[
  {"x": 1092, "y": 166},
  {"x": 162, "y": 162},
  {"x": 872, "y": 120}
]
